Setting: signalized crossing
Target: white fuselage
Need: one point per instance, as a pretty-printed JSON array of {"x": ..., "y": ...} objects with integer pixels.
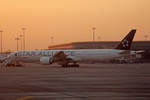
[{"x": 79, "y": 55}]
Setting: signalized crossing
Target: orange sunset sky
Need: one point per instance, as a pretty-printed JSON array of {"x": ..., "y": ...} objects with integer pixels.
[{"x": 72, "y": 20}]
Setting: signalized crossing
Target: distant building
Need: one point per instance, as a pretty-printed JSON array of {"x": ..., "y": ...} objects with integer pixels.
[
  {"x": 61, "y": 46},
  {"x": 136, "y": 45}
]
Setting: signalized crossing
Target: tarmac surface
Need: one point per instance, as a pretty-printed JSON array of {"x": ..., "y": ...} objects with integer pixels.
[{"x": 88, "y": 82}]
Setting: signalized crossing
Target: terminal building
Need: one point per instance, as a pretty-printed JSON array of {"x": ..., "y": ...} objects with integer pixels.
[{"x": 136, "y": 45}]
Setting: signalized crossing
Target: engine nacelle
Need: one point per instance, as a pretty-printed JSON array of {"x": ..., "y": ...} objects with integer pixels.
[
  {"x": 46, "y": 60},
  {"x": 74, "y": 58}
]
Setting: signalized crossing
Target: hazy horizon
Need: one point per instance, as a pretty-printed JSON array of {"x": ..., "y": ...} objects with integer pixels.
[{"x": 72, "y": 20}]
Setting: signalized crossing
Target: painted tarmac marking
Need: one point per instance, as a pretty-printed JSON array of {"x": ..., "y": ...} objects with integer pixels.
[{"x": 25, "y": 98}]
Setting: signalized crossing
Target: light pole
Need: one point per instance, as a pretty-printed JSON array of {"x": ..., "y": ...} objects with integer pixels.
[
  {"x": 23, "y": 29},
  {"x": 93, "y": 28},
  {"x": 1, "y": 41},
  {"x": 17, "y": 39},
  {"x": 20, "y": 41},
  {"x": 52, "y": 39}
]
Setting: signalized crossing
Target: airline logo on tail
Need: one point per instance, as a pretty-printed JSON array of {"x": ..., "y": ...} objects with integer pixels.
[{"x": 125, "y": 44}]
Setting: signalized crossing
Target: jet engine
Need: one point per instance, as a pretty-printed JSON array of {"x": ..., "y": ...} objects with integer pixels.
[
  {"x": 46, "y": 60},
  {"x": 76, "y": 59}
]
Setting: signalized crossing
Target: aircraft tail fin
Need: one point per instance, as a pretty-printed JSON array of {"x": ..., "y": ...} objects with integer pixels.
[{"x": 125, "y": 44}]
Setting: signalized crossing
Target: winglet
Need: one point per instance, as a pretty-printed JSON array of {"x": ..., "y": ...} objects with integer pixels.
[{"x": 125, "y": 44}]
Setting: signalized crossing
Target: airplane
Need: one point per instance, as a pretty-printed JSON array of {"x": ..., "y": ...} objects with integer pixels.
[{"x": 67, "y": 58}]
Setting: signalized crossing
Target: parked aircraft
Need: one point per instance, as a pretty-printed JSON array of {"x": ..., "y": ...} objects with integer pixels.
[{"x": 67, "y": 57}]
